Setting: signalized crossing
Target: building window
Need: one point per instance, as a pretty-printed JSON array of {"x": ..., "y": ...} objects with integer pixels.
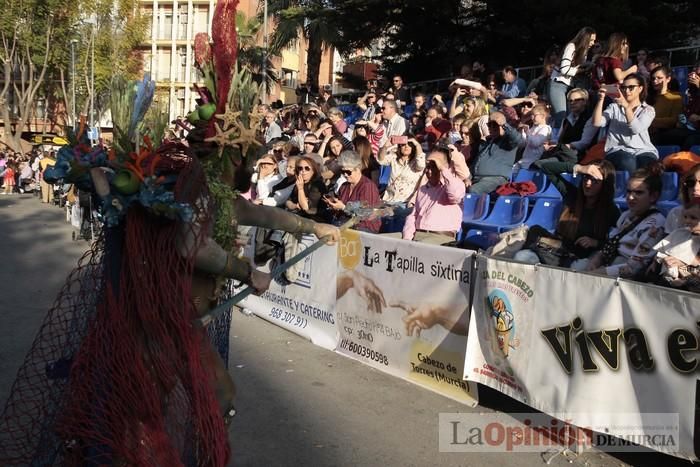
[
  {"x": 182, "y": 24},
  {"x": 164, "y": 64},
  {"x": 182, "y": 64},
  {"x": 167, "y": 29},
  {"x": 201, "y": 19}
]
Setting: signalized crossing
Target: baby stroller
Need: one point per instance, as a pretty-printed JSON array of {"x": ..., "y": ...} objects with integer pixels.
[
  {"x": 84, "y": 218},
  {"x": 60, "y": 193}
]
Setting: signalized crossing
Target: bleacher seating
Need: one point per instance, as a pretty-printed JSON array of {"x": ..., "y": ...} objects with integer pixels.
[
  {"x": 384, "y": 176},
  {"x": 475, "y": 208},
  {"x": 695, "y": 149},
  {"x": 545, "y": 213},
  {"x": 550, "y": 192},
  {"x": 667, "y": 150},
  {"x": 621, "y": 178},
  {"x": 508, "y": 212},
  {"x": 535, "y": 176},
  {"x": 481, "y": 238}
]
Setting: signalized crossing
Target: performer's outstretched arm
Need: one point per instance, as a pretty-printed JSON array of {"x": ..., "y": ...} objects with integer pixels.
[{"x": 270, "y": 217}]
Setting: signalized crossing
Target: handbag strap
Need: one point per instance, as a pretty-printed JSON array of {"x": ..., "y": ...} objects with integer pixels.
[{"x": 635, "y": 223}]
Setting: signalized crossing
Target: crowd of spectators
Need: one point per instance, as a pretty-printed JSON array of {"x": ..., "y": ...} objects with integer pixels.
[
  {"x": 592, "y": 113},
  {"x": 21, "y": 173}
]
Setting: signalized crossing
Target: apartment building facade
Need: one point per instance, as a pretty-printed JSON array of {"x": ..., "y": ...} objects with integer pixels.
[{"x": 168, "y": 54}]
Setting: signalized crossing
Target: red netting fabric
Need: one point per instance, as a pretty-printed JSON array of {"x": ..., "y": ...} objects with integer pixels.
[{"x": 115, "y": 375}]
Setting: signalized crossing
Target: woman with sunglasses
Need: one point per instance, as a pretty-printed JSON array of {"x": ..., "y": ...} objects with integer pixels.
[
  {"x": 265, "y": 177},
  {"x": 306, "y": 198},
  {"x": 357, "y": 188},
  {"x": 588, "y": 215},
  {"x": 689, "y": 193},
  {"x": 627, "y": 145}
]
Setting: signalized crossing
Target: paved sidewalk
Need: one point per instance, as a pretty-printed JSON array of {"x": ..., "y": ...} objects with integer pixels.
[{"x": 299, "y": 405}]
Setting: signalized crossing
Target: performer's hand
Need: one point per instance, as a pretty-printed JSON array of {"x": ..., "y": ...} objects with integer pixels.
[
  {"x": 326, "y": 230},
  {"x": 260, "y": 281}
]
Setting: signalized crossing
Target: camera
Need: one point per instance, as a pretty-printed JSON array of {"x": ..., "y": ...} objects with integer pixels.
[{"x": 399, "y": 140}]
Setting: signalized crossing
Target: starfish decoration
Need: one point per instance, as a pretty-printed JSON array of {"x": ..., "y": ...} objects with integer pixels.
[
  {"x": 222, "y": 137},
  {"x": 247, "y": 137},
  {"x": 229, "y": 117},
  {"x": 254, "y": 118}
]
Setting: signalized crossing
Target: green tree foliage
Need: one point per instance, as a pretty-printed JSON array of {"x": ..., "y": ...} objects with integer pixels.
[
  {"x": 342, "y": 24},
  {"x": 426, "y": 40},
  {"x": 250, "y": 55},
  {"x": 28, "y": 29}
]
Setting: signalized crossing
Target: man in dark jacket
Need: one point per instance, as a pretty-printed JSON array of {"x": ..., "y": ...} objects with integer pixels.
[
  {"x": 576, "y": 135},
  {"x": 496, "y": 157}
]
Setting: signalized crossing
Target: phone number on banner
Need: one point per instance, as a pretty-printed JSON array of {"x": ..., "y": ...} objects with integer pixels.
[
  {"x": 290, "y": 318},
  {"x": 363, "y": 351}
]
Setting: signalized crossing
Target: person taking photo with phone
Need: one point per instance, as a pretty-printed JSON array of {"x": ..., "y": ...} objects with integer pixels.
[{"x": 627, "y": 145}]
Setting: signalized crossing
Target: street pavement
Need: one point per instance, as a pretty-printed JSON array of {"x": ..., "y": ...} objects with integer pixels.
[{"x": 298, "y": 404}]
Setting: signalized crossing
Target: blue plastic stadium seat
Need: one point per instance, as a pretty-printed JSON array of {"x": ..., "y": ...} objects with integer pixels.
[
  {"x": 571, "y": 179},
  {"x": 384, "y": 175},
  {"x": 507, "y": 213},
  {"x": 482, "y": 238},
  {"x": 669, "y": 186},
  {"x": 535, "y": 176},
  {"x": 695, "y": 149},
  {"x": 667, "y": 150},
  {"x": 550, "y": 192},
  {"x": 545, "y": 213},
  {"x": 475, "y": 208},
  {"x": 666, "y": 206},
  {"x": 621, "y": 177},
  {"x": 409, "y": 109}
]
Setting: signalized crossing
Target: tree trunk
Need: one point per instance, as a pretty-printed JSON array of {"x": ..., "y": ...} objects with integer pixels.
[{"x": 314, "y": 59}]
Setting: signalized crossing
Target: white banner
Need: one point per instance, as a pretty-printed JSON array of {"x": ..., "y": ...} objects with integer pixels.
[
  {"x": 307, "y": 305},
  {"x": 591, "y": 347},
  {"x": 403, "y": 308}
]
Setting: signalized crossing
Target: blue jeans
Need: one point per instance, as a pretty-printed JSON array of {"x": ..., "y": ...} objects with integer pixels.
[
  {"x": 629, "y": 162},
  {"x": 557, "y": 97}
]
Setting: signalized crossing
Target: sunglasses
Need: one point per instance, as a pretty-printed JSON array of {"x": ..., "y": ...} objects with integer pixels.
[
  {"x": 629, "y": 87},
  {"x": 265, "y": 163},
  {"x": 346, "y": 172},
  {"x": 528, "y": 105},
  {"x": 588, "y": 178},
  {"x": 303, "y": 168},
  {"x": 690, "y": 183},
  {"x": 579, "y": 99},
  {"x": 309, "y": 143},
  {"x": 278, "y": 150}
]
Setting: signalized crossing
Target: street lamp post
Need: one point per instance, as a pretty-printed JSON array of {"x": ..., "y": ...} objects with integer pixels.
[
  {"x": 93, "y": 126},
  {"x": 72, "y": 68},
  {"x": 93, "y": 32}
]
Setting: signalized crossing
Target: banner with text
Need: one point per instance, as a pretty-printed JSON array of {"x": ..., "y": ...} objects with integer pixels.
[
  {"x": 588, "y": 346},
  {"x": 305, "y": 306},
  {"x": 403, "y": 308}
]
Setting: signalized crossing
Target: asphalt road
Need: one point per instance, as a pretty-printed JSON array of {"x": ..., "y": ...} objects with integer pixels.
[{"x": 299, "y": 405}]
